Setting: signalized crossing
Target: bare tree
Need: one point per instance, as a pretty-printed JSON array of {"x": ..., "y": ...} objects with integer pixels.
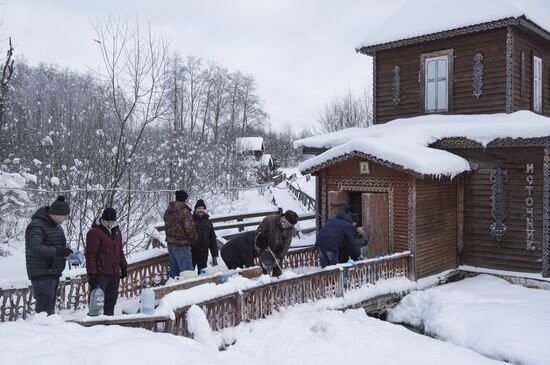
[
  {"x": 346, "y": 111},
  {"x": 220, "y": 99},
  {"x": 135, "y": 79},
  {"x": 7, "y": 73}
]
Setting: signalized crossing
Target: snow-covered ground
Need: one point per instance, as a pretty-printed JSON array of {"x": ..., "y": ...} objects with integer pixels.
[
  {"x": 481, "y": 320},
  {"x": 486, "y": 314},
  {"x": 313, "y": 333}
]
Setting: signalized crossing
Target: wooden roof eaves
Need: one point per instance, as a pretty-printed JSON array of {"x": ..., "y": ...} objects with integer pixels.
[
  {"x": 462, "y": 142},
  {"x": 502, "y": 23},
  {"x": 333, "y": 161}
]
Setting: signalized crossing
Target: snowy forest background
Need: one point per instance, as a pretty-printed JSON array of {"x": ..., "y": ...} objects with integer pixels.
[{"x": 145, "y": 123}]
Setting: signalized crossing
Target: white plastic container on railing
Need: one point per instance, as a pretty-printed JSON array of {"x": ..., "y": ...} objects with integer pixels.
[{"x": 147, "y": 300}]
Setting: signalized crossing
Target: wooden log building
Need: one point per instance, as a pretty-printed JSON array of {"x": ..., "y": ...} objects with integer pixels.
[{"x": 494, "y": 211}]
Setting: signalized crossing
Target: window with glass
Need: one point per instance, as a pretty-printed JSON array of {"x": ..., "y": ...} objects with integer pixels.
[
  {"x": 537, "y": 84},
  {"x": 436, "y": 84},
  {"x": 436, "y": 81}
]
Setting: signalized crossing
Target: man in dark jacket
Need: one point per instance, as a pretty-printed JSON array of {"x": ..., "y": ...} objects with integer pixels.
[
  {"x": 206, "y": 238},
  {"x": 180, "y": 234},
  {"x": 105, "y": 261},
  {"x": 243, "y": 249},
  {"x": 337, "y": 234},
  {"x": 45, "y": 252},
  {"x": 279, "y": 229}
]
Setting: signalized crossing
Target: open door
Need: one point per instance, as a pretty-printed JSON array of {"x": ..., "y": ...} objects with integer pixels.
[
  {"x": 375, "y": 211},
  {"x": 336, "y": 199}
]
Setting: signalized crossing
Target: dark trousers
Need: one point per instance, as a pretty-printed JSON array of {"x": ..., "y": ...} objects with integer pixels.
[
  {"x": 230, "y": 263},
  {"x": 45, "y": 294},
  {"x": 327, "y": 257},
  {"x": 200, "y": 260},
  {"x": 109, "y": 285}
]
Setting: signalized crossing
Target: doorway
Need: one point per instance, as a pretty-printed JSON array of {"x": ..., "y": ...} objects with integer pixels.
[{"x": 374, "y": 211}]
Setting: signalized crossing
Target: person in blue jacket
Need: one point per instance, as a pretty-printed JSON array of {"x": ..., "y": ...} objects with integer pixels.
[{"x": 337, "y": 234}]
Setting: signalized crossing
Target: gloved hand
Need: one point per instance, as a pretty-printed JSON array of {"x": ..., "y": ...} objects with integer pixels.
[
  {"x": 76, "y": 258},
  {"x": 92, "y": 282},
  {"x": 63, "y": 251},
  {"x": 123, "y": 272},
  {"x": 214, "y": 261}
]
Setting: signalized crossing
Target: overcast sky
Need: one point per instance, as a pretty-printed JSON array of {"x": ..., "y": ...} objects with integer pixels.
[{"x": 301, "y": 52}]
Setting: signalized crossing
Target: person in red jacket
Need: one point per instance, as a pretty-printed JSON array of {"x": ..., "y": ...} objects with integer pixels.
[{"x": 105, "y": 261}]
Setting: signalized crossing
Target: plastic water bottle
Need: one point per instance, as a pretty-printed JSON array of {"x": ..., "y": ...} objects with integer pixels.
[
  {"x": 97, "y": 299},
  {"x": 147, "y": 300}
]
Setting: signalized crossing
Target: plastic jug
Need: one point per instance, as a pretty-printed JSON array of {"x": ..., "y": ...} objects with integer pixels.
[
  {"x": 147, "y": 300},
  {"x": 97, "y": 299}
]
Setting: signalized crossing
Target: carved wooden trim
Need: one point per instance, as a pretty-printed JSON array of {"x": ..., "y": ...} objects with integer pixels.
[
  {"x": 324, "y": 210},
  {"x": 411, "y": 221},
  {"x": 546, "y": 214},
  {"x": 461, "y": 142},
  {"x": 396, "y": 86},
  {"x": 502, "y": 23},
  {"x": 522, "y": 21},
  {"x": 460, "y": 214},
  {"x": 499, "y": 179},
  {"x": 374, "y": 89},
  {"x": 477, "y": 75},
  {"x": 319, "y": 182},
  {"x": 370, "y": 181},
  {"x": 509, "y": 70},
  {"x": 522, "y": 74}
]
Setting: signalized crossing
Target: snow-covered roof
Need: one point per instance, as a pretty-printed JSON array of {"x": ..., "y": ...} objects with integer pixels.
[
  {"x": 250, "y": 144},
  {"x": 416, "y": 18},
  {"x": 403, "y": 143},
  {"x": 266, "y": 160}
]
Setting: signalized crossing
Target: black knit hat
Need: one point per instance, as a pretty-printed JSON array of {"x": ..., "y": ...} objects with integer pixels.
[
  {"x": 181, "y": 195},
  {"x": 291, "y": 217},
  {"x": 262, "y": 241},
  {"x": 200, "y": 203},
  {"x": 109, "y": 214},
  {"x": 59, "y": 207}
]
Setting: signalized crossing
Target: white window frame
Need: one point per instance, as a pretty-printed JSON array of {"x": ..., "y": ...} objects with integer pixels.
[
  {"x": 537, "y": 84},
  {"x": 436, "y": 81}
]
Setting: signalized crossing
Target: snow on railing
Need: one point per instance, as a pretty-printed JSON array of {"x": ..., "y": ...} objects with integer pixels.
[
  {"x": 261, "y": 301},
  {"x": 73, "y": 292}
]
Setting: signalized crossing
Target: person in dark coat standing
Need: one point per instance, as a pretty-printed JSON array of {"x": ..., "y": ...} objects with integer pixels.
[
  {"x": 243, "y": 249},
  {"x": 105, "y": 261},
  {"x": 206, "y": 238},
  {"x": 337, "y": 234},
  {"x": 279, "y": 229},
  {"x": 45, "y": 252},
  {"x": 180, "y": 234}
]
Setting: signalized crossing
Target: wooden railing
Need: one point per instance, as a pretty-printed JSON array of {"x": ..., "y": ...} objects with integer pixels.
[
  {"x": 302, "y": 197},
  {"x": 73, "y": 292},
  {"x": 238, "y": 220},
  {"x": 230, "y": 221},
  {"x": 261, "y": 301}
]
